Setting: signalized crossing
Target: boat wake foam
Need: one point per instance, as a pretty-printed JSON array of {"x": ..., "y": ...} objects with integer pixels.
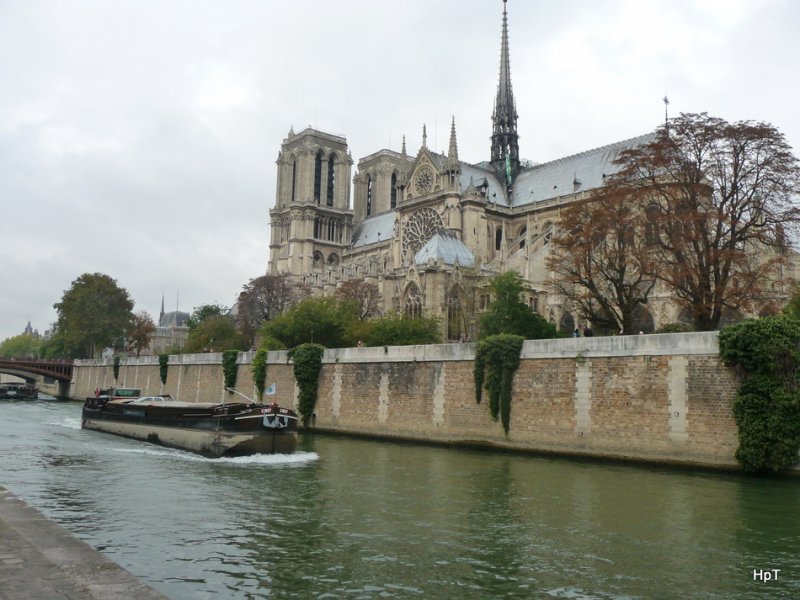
[
  {"x": 255, "y": 459},
  {"x": 69, "y": 423}
]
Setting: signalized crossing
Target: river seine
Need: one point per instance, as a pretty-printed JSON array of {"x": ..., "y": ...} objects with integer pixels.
[{"x": 346, "y": 518}]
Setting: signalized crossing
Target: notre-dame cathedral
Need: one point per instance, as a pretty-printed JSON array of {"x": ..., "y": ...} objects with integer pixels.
[{"x": 429, "y": 229}]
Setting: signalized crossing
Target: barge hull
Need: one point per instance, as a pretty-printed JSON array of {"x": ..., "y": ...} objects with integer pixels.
[{"x": 208, "y": 442}]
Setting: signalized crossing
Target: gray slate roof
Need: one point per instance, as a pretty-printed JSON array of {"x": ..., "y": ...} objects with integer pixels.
[
  {"x": 571, "y": 174},
  {"x": 447, "y": 248},
  {"x": 496, "y": 192},
  {"x": 374, "y": 229}
]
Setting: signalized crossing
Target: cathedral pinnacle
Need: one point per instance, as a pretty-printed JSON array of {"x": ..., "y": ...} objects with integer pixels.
[
  {"x": 424, "y": 136},
  {"x": 452, "y": 153},
  {"x": 505, "y": 141}
]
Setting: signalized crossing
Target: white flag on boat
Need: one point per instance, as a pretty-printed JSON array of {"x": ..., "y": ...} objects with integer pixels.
[{"x": 270, "y": 390}]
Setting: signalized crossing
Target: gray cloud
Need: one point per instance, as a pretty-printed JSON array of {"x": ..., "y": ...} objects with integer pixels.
[{"x": 138, "y": 138}]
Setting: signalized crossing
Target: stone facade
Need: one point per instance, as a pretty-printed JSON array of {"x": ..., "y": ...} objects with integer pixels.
[
  {"x": 431, "y": 230},
  {"x": 661, "y": 398}
]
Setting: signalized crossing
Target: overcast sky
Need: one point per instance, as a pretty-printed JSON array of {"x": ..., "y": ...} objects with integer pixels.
[{"x": 138, "y": 138}]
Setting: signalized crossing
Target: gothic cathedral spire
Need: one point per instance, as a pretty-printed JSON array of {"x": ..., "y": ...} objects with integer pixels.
[{"x": 505, "y": 141}]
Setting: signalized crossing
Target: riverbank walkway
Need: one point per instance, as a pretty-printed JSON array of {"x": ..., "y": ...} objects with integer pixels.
[{"x": 40, "y": 560}]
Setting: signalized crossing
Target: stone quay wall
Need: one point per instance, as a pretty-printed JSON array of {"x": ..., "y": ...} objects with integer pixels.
[{"x": 661, "y": 398}]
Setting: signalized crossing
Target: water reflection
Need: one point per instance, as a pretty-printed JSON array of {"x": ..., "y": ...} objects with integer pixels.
[{"x": 348, "y": 518}]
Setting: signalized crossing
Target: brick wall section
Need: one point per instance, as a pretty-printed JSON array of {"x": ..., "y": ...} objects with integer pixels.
[{"x": 664, "y": 398}]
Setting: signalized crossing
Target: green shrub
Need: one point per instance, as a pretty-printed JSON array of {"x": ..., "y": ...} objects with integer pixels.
[
  {"x": 260, "y": 372},
  {"x": 307, "y": 359},
  {"x": 496, "y": 360},
  {"x": 163, "y": 365},
  {"x": 229, "y": 367},
  {"x": 401, "y": 330},
  {"x": 675, "y": 328},
  {"x": 272, "y": 343},
  {"x": 767, "y": 406}
]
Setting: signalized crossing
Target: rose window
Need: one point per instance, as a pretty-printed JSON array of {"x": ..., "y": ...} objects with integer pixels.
[{"x": 421, "y": 226}]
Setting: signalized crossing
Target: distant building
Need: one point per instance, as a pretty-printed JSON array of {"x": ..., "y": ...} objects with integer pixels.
[
  {"x": 171, "y": 331},
  {"x": 31, "y": 331}
]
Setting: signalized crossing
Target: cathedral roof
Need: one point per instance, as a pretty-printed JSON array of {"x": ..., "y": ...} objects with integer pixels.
[
  {"x": 175, "y": 318},
  {"x": 374, "y": 229},
  {"x": 571, "y": 174},
  {"x": 496, "y": 191},
  {"x": 447, "y": 248}
]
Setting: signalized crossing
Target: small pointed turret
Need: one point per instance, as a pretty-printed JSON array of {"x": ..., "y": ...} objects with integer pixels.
[
  {"x": 505, "y": 141},
  {"x": 424, "y": 136},
  {"x": 403, "y": 151},
  {"x": 452, "y": 165},
  {"x": 452, "y": 153}
]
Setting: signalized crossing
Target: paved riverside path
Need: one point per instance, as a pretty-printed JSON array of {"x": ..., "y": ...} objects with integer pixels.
[{"x": 40, "y": 560}]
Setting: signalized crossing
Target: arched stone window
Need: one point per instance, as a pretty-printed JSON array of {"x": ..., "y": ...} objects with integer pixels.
[
  {"x": 393, "y": 201},
  {"x": 294, "y": 177},
  {"x": 412, "y": 301},
  {"x": 523, "y": 233},
  {"x": 317, "y": 176},
  {"x": 333, "y": 259},
  {"x": 567, "y": 323},
  {"x": 319, "y": 260},
  {"x": 498, "y": 238},
  {"x": 651, "y": 233},
  {"x": 331, "y": 181},
  {"x": 456, "y": 317}
]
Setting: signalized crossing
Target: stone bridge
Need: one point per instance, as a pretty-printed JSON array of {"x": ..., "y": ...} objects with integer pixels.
[{"x": 35, "y": 370}]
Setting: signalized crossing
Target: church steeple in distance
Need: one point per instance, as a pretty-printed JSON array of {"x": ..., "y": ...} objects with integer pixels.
[{"x": 505, "y": 141}]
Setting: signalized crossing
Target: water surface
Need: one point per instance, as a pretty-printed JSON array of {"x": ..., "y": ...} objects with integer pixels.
[{"x": 346, "y": 518}]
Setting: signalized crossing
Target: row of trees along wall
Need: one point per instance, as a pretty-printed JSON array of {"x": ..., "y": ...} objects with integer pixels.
[{"x": 666, "y": 398}]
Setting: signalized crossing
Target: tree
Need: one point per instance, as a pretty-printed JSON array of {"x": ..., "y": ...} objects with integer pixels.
[
  {"x": 215, "y": 333},
  {"x": 264, "y": 298},
  {"x": 55, "y": 347},
  {"x": 20, "y": 346},
  {"x": 95, "y": 313},
  {"x": 142, "y": 329},
  {"x": 365, "y": 296},
  {"x": 402, "y": 330},
  {"x": 719, "y": 198},
  {"x": 602, "y": 261},
  {"x": 324, "y": 321},
  {"x": 509, "y": 314},
  {"x": 203, "y": 312}
]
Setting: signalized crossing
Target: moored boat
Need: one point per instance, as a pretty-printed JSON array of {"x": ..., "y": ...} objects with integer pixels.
[
  {"x": 18, "y": 390},
  {"x": 213, "y": 430}
]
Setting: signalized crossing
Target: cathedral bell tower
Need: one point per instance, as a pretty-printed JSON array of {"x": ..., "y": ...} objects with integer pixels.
[
  {"x": 505, "y": 141},
  {"x": 311, "y": 224}
]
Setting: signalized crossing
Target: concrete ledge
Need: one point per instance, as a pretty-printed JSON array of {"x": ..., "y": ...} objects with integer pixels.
[
  {"x": 662, "y": 344},
  {"x": 41, "y": 559}
]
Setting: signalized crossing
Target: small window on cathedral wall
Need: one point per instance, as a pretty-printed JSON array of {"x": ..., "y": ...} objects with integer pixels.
[
  {"x": 394, "y": 191},
  {"x": 331, "y": 181},
  {"x": 317, "y": 176},
  {"x": 498, "y": 238},
  {"x": 294, "y": 177}
]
